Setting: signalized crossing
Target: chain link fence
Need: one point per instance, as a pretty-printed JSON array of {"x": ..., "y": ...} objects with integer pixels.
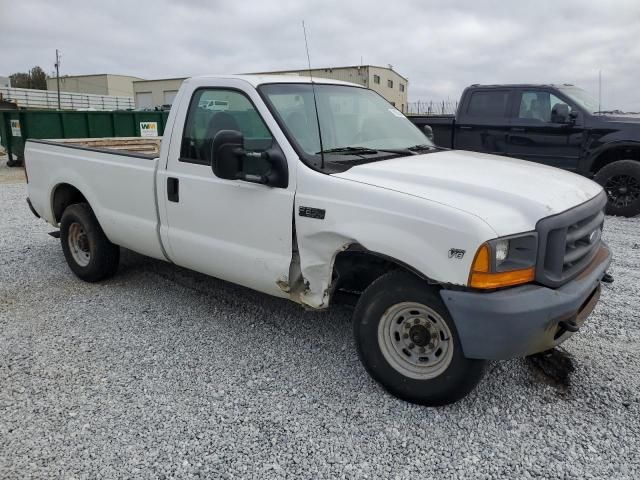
[
  {"x": 29, "y": 98},
  {"x": 430, "y": 107}
]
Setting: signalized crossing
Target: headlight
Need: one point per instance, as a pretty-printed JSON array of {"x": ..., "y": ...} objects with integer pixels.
[
  {"x": 502, "y": 250},
  {"x": 505, "y": 261}
]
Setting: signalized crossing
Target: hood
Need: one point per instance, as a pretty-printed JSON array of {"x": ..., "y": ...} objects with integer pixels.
[
  {"x": 510, "y": 195},
  {"x": 620, "y": 118}
]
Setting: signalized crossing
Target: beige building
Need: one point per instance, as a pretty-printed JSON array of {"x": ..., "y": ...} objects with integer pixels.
[
  {"x": 154, "y": 93},
  {"x": 384, "y": 80},
  {"x": 102, "y": 84}
]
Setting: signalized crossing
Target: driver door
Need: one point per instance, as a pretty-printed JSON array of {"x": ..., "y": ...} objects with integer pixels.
[
  {"x": 230, "y": 229},
  {"x": 535, "y": 134}
]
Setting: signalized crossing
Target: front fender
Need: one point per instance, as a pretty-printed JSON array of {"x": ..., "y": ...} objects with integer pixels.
[
  {"x": 412, "y": 231},
  {"x": 601, "y": 147}
]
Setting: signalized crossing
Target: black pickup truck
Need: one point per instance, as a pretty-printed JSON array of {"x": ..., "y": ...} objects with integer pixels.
[{"x": 558, "y": 125}]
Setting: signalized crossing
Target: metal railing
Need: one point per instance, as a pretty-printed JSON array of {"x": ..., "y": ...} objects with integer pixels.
[
  {"x": 443, "y": 107},
  {"x": 29, "y": 98}
]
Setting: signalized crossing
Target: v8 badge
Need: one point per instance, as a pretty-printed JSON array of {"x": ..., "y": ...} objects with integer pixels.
[{"x": 456, "y": 253}]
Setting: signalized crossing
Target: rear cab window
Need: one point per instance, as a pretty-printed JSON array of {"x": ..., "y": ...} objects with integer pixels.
[{"x": 491, "y": 104}]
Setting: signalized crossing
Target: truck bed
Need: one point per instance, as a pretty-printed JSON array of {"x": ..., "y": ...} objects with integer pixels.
[
  {"x": 118, "y": 183},
  {"x": 442, "y": 126},
  {"x": 148, "y": 146}
]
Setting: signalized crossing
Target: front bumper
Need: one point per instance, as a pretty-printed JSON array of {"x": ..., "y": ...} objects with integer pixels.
[{"x": 524, "y": 320}]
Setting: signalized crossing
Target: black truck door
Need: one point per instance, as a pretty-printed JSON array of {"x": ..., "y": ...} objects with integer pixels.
[
  {"x": 545, "y": 129},
  {"x": 483, "y": 121}
]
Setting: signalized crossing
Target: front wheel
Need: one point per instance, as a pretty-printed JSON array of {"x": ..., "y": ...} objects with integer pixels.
[
  {"x": 408, "y": 342},
  {"x": 621, "y": 181}
]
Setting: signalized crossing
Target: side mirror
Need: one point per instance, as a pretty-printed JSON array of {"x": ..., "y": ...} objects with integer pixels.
[
  {"x": 573, "y": 115},
  {"x": 229, "y": 160},
  {"x": 428, "y": 132},
  {"x": 226, "y": 154},
  {"x": 560, "y": 113}
]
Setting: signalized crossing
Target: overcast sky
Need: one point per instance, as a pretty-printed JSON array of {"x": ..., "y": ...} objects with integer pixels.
[{"x": 440, "y": 46}]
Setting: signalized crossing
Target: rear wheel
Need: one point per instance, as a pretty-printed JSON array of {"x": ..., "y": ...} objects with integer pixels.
[
  {"x": 621, "y": 181},
  {"x": 408, "y": 342},
  {"x": 89, "y": 253}
]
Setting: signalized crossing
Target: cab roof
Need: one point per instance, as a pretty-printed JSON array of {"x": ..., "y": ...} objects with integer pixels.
[{"x": 256, "y": 80}]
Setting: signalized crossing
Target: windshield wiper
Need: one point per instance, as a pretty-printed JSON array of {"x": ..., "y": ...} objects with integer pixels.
[
  {"x": 413, "y": 150},
  {"x": 420, "y": 147},
  {"x": 349, "y": 150},
  {"x": 374, "y": 151}
]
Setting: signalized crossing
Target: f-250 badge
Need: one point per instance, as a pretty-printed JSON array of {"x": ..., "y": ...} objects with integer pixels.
[{"x": 456, "y": 253}]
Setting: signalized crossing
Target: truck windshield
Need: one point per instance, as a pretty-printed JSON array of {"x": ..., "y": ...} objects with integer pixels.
[
  {"x": 353, "y": 121},
  {"x": 582, "y": 98}
]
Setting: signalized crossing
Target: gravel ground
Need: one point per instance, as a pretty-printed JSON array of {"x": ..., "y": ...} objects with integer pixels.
[{"x": 161, "y": 372}]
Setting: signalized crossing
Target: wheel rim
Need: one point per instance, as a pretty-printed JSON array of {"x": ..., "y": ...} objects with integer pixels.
[
  {"x": 622, "y": 190},
  {"x": 415, "y": 340},
  {"x": 79, "y": 244}
]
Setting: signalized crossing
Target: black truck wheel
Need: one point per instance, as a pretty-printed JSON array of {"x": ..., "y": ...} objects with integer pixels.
[
  {"x": 621, "y": 181},
  {"x": 408, "y": 342},
  {"x": 89, "y": 253}
]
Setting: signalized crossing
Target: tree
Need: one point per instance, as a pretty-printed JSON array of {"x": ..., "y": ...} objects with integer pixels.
[
  {"x": 35, "y": 78},
  {"x": 39, "y": 78},
  {"x": 20, "y": 80}
]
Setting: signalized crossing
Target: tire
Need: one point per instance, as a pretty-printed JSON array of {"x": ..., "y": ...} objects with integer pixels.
[
  {"x": 89, "y": 253},
  {"x": 399, "y": 301},
  {"x": 621, "y": 181}
]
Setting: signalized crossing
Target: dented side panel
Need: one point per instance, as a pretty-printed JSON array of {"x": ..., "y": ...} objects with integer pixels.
[
  {"x": 316, "y": 265},
  {"x": 414, "y": 231}
]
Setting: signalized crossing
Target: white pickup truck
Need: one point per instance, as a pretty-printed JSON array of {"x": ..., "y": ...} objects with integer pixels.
[{"x": 319, "y": 190}]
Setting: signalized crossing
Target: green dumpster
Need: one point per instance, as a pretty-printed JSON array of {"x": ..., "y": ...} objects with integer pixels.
[{"x": 17, "y": 126}]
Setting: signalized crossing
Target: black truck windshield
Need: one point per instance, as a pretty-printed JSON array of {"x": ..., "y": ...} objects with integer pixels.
[
  {"x": 354, "y": 122},
  {"x": 582, "y": 98}
]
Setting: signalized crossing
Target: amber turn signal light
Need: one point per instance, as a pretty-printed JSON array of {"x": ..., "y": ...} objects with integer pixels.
[{"x": 481, "y": 275}]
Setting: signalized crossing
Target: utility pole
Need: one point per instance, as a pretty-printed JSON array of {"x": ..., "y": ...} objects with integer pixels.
[{"x": 58, "y": 75}]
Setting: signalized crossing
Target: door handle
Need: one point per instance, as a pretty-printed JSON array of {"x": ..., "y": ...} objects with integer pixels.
[
  {"x": 173, "y": 193},
  {"x": 465, "y": 127},
  {"x": 517, "y": 129}
]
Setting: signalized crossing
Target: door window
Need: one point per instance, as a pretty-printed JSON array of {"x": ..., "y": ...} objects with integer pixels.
[
  {"x": 491, "y": 104},
  {"x": 538, "y": 106},
  {"x": 213, "y": 110}
]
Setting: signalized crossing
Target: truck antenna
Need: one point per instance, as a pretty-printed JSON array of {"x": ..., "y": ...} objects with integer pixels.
[
  {"x": 599, "y": 91},
  {"x": 315, "y": 102}
]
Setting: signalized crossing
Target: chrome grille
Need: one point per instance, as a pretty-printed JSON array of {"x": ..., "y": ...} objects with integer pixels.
[
  {"x": 582, "y": 239},
  {"x": 569, "y": 241}
]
